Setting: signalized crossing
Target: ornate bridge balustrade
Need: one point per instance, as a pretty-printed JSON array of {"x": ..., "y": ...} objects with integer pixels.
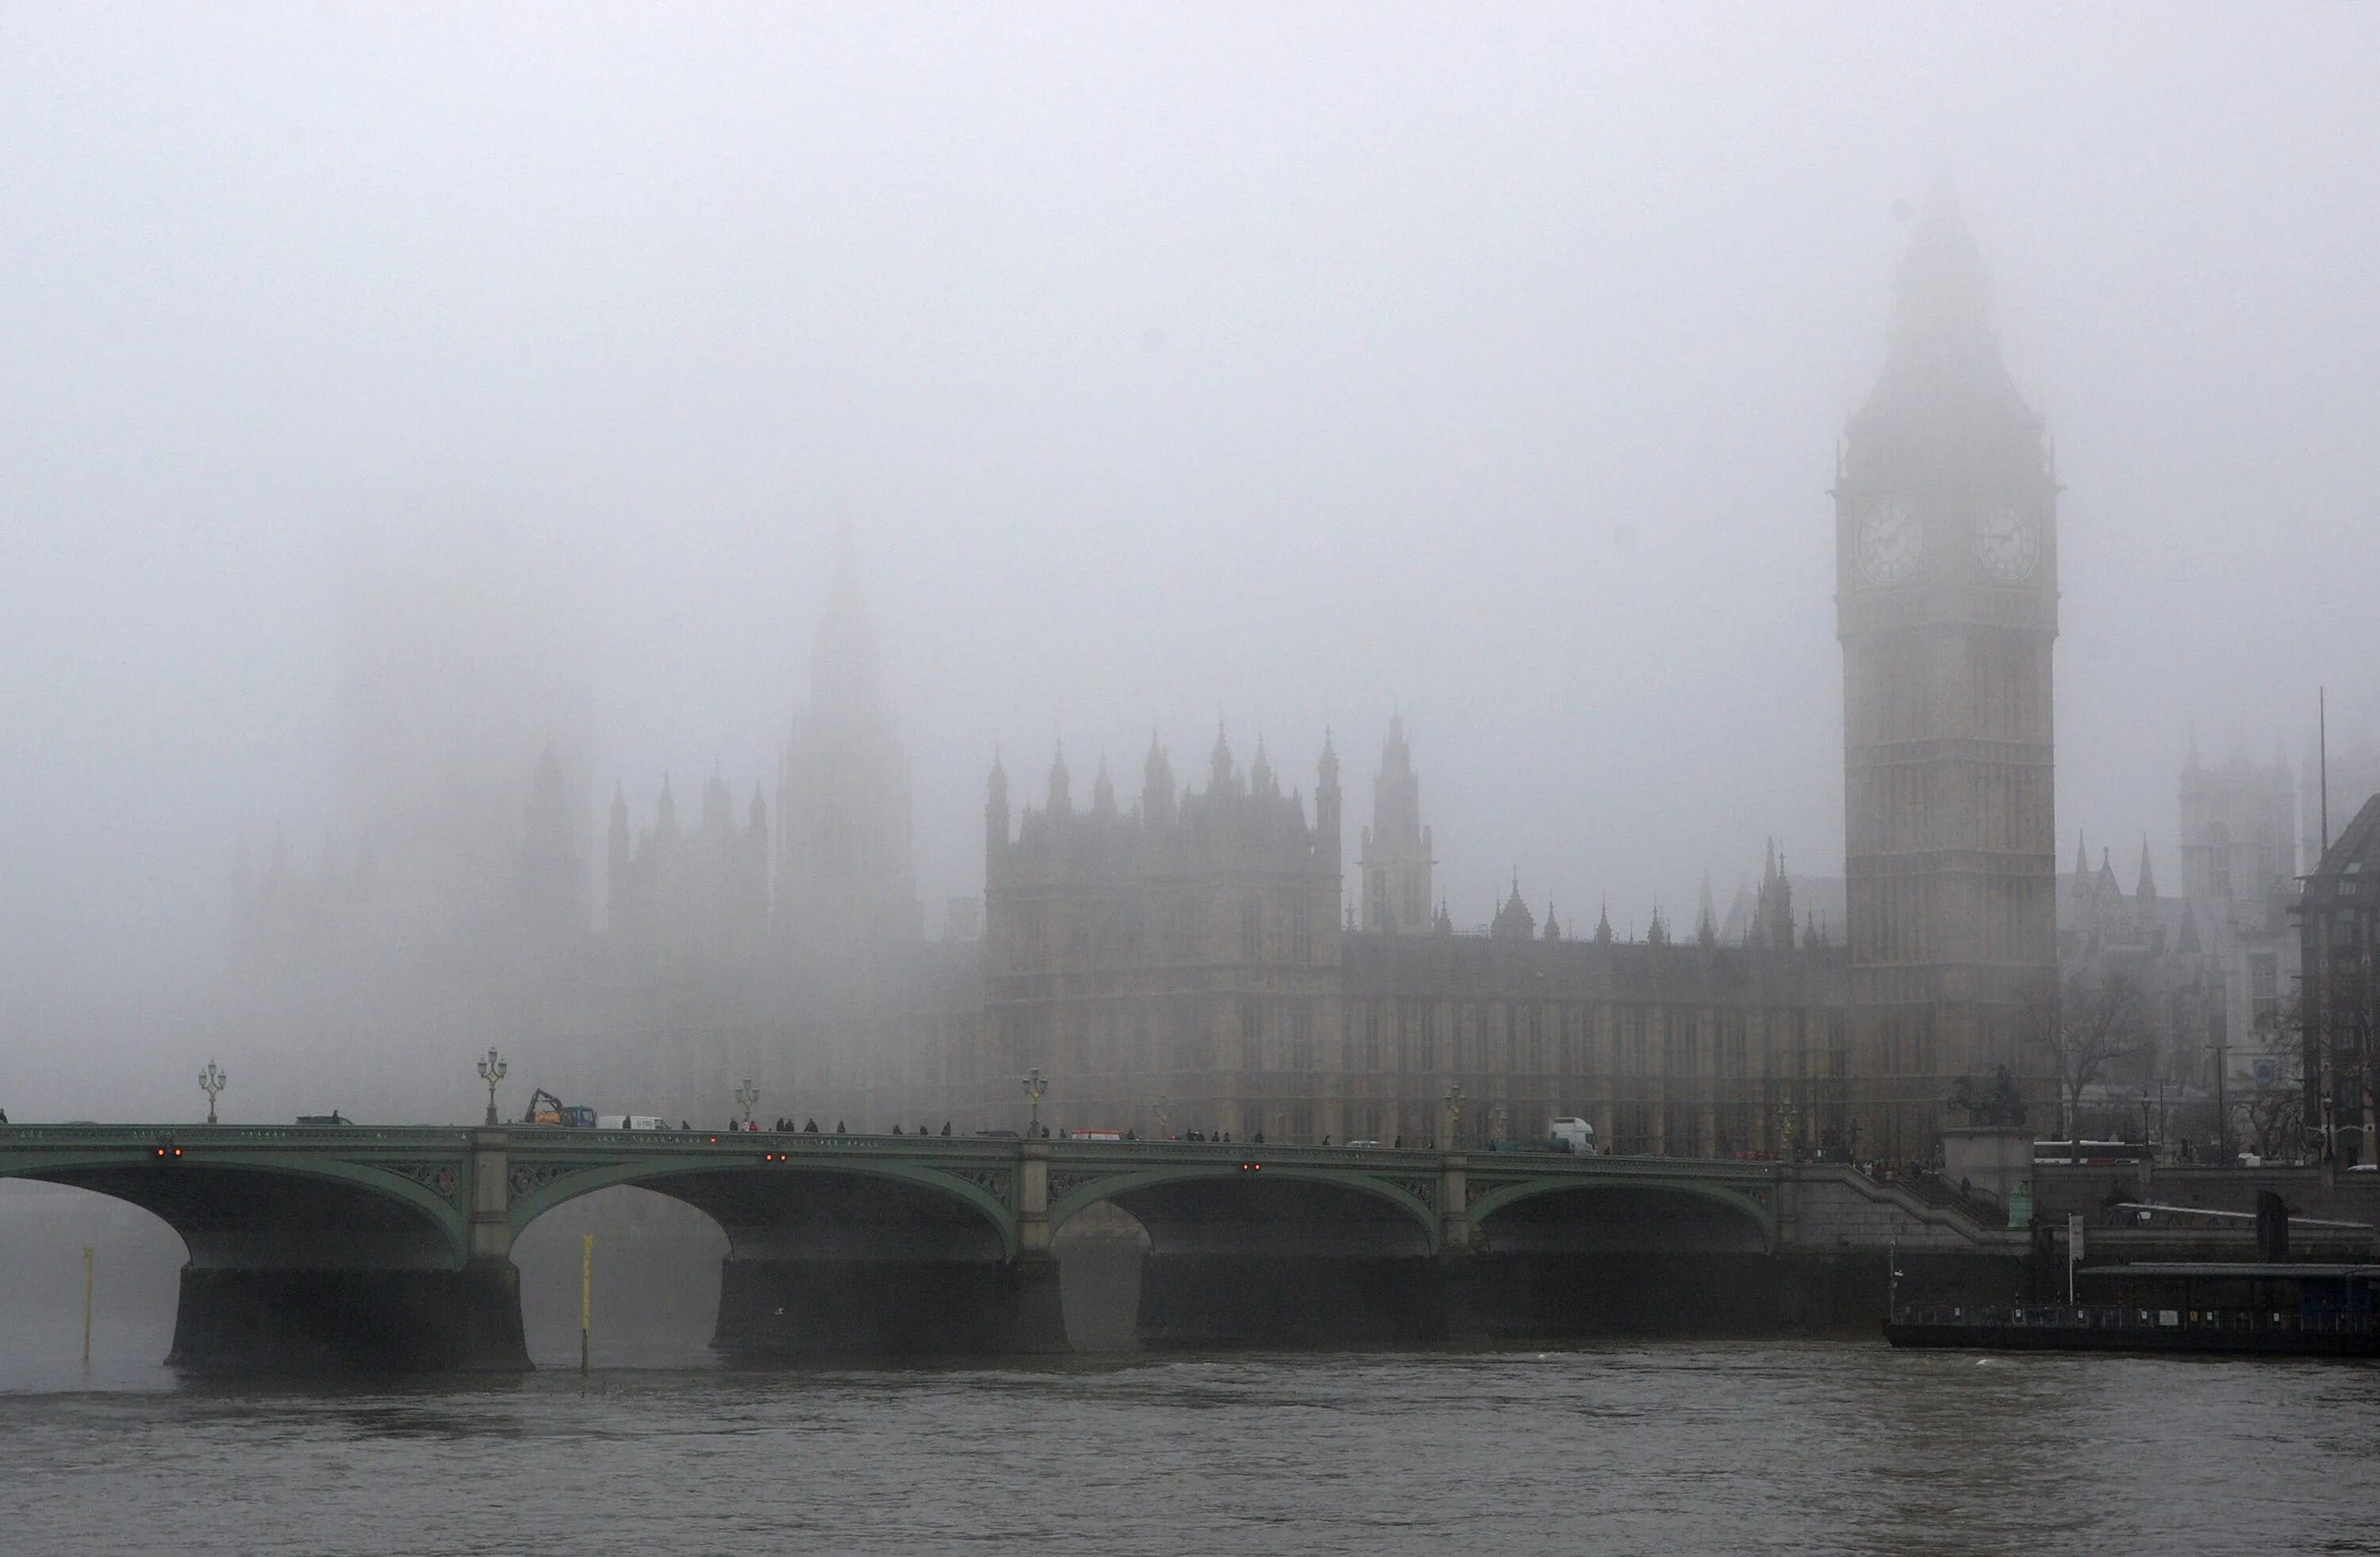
[{"x": 391, "y": 1248}]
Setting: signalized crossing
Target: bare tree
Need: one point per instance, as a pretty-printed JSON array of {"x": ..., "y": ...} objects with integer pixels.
[
  {"x": 2275, "y": 1116},
  {"x": 2102, "y": 1019}
]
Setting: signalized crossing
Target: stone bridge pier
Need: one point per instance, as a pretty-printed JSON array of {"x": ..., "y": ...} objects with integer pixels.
[{"x": 290, "y": 1272}]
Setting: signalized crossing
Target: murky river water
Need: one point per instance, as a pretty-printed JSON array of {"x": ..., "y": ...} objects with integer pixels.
[{"x": 1737, "y": 1447}]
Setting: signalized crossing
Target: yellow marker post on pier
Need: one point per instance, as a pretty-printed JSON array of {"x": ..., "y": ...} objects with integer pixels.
[{"x": 585, "y": 1297}]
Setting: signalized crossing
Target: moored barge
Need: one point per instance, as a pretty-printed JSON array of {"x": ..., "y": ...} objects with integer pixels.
[{"x": 2228, "y": 1307}]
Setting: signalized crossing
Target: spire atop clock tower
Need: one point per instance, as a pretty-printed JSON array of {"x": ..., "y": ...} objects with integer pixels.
[{"x": 1942, "y": 366}]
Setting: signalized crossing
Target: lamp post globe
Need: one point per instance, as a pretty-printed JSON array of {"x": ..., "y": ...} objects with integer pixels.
[
  {"x": 212, "y": 1081},
  {"x": 745, "y": 1096},
  {"x": 1035, "y": 1085},
  {"x": 491, "y": 1070}
]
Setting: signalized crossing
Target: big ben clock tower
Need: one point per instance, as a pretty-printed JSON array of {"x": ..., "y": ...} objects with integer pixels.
[{"x": 1947, "y": 606}]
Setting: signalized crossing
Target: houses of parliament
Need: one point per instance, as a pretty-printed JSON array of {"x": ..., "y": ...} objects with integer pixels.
[{"x": 1195, "y": 948}]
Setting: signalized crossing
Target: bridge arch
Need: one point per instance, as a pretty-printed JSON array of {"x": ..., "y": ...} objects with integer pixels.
[
  {"x": 267, "y": 1213},
  {"x": 1284, "y": 1253},
  {"x": 1414, "y": 1222},
  {"x": 857, "y": 1207},
  {"x": 836, "y": 1250},
  {"x": 1646, "y": 1213}
]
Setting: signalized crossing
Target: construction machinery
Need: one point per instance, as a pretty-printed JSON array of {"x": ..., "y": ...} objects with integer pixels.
[{"x": 544, "y": 1108}]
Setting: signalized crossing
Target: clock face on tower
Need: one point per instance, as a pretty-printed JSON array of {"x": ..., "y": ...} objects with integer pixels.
[
  {"x": 2008, "y": 540},
  {"x": 1889, "y": 543}
]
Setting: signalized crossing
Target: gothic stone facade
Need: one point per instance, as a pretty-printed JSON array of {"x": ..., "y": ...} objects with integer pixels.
[{"x": 1183, "y": 965}]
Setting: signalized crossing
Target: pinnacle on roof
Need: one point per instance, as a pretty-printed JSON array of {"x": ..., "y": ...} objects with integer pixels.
[
  {"x": 1513, "y": 920},
  {"x": 1059, "y": 782}
]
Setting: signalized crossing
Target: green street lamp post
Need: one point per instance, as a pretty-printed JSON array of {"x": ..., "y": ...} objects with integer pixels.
[
  {"x": 1035, "y": 1085},
  {"x": 212, "y": 1081},
  {"x": 1453, "y": 1114},
  {"x": 491, "y": 1070},
  {"x": 747, "y": 1095}
]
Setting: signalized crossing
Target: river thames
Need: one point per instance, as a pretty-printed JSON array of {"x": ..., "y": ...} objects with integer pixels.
[{"x": 1798, "y": 1447}]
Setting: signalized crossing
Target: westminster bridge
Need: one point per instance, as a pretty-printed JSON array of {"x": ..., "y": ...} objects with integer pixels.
[{"x": 392, "y": 1248}]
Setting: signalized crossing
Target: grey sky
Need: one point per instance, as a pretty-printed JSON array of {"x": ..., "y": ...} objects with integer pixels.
[{"x": 1281, "y": 365}]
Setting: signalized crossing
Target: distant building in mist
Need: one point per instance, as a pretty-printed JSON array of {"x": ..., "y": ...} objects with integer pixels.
[{"x": 1189, "y": 955}]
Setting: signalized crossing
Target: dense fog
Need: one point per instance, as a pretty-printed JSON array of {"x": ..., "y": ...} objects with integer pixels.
[{"x": 388, "y": 393}]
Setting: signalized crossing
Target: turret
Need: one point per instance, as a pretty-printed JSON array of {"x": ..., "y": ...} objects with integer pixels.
[
  {"x": 616, "y": 884},
  {"x": 1157, "y": 784},
  {"x": 1062, "y": 801},
  {"x": 549, "y": 886},
  {"x": 1260, "y": 779},
  {"x": 1397, "y": 864},
  {"x": 995, "y": 806},
  {"x": 718, "y": 805},
  {"x": 1513, "y": 921},
  {"x": 1325, "y": 803}
]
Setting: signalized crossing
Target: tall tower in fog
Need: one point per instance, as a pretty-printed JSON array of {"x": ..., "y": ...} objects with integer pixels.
[
  {"x": 1397, "y": 893},
  {"x": 844, "y": 876},
  {"x": 1947, "y": 606}
]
